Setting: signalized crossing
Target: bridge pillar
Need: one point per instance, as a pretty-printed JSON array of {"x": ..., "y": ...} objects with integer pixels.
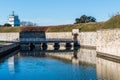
[
  {"x": 76, "y": 44},
  {"x": 68, "y": 46},
  {"x": 44, "y": 46},
  {"x": 75, "y": 33},
  {"x": 75, "y": 59},
  {"x": 56, "y": 46}
]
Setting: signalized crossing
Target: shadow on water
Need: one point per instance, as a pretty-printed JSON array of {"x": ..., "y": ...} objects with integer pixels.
[
  {"x": 12, "y": 60},
  {"x": 2, "y": 59}
]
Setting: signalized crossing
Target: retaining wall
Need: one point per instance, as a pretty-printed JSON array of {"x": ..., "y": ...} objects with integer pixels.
[
  {"x": 9, "y": 36},
  {"x": 108, "y": 41},
  {"x": 84, "y": 38},
  {"x": 67, "y": 35},
  {"x": 87, "y": 39},
  {"x": 105, "y": 41}
]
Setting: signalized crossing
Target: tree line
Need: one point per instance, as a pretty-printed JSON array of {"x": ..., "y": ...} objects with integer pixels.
[
  {"x": 85, "y": 19},
  {"x": 82, "y": 19}
]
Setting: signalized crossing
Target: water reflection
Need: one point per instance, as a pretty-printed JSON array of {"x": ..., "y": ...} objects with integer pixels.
[
  {"x": 35, "y": 65},
  {"x": 107, "y": 70},
  {"x": 28, "y": 65},
  {"x": 87, "y": 56},
  {"x": 11, "y": 64}
]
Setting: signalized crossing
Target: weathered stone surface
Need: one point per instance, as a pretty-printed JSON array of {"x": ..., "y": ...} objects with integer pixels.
[
  {"x": 9, "y": 36},
  {"x": 62, "y": 35},
  {"x": 107, "y": 70},
  {"x": 87, "y": 38},
  {"x": 75, "y": 31},
  {"x": 108, "y": 41}
]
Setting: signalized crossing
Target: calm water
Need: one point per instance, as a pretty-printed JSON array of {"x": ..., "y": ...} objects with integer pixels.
[
  {"x": 18, "y": 67},
  {"x": 30, "y": 66}
]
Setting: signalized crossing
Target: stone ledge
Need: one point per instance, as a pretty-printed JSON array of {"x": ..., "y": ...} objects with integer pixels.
[
  {"x": 108, "y": 57},
  {"x": 8, "y": 49},
  {"x": 88, "y": 47}
]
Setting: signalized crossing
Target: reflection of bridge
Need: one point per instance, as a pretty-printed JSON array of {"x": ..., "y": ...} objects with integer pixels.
[
  {"x": 3, "y": 41},
  {"x": 48, "y": 51},
  {"x": 43, "y": 53}
]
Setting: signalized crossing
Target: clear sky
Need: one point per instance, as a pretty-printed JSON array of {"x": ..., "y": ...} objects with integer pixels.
[{"x": 57, "y": 12}]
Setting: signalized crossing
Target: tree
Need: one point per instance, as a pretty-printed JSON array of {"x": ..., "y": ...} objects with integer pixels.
[
  {"x": 7, "y": 25},
  {"x": 27, "y": 23},
  {"x": 85, "y": 19},
  {"x": 91, "y": 19}
]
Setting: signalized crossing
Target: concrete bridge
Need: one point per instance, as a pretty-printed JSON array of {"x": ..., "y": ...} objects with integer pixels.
[
  {"x": 51, "y": 40},
  {"x": 31, "y": 43},
  {"x": 39, "y": 39},
  {"x": 43, "y": 43}
]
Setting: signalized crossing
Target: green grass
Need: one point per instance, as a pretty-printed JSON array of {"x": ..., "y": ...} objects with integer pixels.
[
  {"x": 113, "y": 22},
  {"x": 9, "y": 29},
  {"x": 88, "y": 27}
]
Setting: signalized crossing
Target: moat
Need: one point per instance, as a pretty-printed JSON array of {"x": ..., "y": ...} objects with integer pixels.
[{"x": 29, "y": 65}]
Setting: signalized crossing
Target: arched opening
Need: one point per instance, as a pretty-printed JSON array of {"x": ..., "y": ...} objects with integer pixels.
[
  {"x": 68, "y": 46},
  {"x": 56, "y": 46},
  {"x": 32, "y": 46},
  {"x": 44, "y": 46}
]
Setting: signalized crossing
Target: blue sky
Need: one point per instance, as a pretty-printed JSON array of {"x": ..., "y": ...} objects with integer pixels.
[{"x": 57, "y": 12}]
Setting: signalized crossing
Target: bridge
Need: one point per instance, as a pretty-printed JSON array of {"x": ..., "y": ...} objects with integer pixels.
[
  {"x": 48, "y": 40},
  {"x": 39, "y": 39},
  {"x": 43, "y": 43},
  {"x": 30, "y": 40},
  {"x": 31, "y": 43}
]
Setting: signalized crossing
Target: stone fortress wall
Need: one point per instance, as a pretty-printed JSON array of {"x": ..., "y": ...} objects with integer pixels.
[{"x": 106, "y": 42}]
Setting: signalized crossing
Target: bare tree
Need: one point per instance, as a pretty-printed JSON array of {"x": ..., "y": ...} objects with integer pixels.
[{"x": 28, "y": 23}]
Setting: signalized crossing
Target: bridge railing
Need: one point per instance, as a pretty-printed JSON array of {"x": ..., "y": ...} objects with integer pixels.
[
  {"x": 45, "y": 40},
  {"x": 40, "y": 40}
]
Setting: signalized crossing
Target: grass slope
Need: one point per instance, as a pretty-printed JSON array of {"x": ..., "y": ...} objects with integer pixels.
[{"x": 114, "y": 22}]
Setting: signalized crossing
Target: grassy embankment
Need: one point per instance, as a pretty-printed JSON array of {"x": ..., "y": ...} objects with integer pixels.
[{"x": 114, "y": 22}]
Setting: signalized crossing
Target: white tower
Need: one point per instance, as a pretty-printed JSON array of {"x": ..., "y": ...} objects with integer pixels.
[{"x": 14, "y": 20}]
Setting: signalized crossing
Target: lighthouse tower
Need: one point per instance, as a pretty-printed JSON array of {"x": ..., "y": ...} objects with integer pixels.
[{"x": 14, "y": 20}]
